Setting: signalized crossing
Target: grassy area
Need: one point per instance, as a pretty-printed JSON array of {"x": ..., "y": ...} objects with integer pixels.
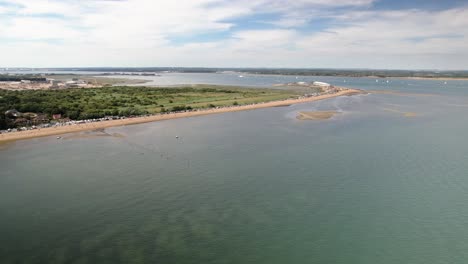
[{"x": 127, "y": 101}]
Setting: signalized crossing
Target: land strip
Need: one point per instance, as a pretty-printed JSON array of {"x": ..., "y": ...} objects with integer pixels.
[{"x": 58, "y": 130}]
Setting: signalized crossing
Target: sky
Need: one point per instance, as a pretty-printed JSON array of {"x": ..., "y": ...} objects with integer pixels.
[{"x": 383, "y": 34}]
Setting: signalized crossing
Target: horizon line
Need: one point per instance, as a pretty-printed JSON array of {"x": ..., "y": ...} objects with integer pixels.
[{"x": 3, "y": 68}]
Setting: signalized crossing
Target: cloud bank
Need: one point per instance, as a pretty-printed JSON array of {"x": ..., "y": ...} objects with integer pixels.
[{"x": 223, "y": 33}]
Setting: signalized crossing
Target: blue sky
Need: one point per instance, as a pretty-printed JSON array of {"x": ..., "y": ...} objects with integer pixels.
[{"x": 389, "y": 34}]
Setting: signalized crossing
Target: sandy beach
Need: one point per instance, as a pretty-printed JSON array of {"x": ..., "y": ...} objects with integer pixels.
[{"x": 43, "y": 132}]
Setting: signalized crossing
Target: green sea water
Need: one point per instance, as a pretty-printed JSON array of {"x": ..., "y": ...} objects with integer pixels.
[{"x": 370, "y": 185}]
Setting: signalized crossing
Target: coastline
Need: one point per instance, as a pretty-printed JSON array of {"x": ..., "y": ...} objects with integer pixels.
[
  {"x": 433, "y": 78},
  {"x": 51, "y": 131}
]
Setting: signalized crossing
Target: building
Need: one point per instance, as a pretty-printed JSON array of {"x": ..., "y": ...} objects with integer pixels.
[
  {"x": 40, "y": 119},
  {"x": 54, "y": 83},
  {"x": 19, "y": 122},
  {"x": 13, "y": 113},
  {"x": 75, "y": 84},
  {"x": 322, "y": 84}
]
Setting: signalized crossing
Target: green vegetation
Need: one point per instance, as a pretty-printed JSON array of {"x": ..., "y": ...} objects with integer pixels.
[{"x": 78, "y": 104}]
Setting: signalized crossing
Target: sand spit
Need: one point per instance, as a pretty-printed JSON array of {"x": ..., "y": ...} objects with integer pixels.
[
  {"x": 43, "y": 132},
  {"x": 317, "y": 115},
  {"x": 356, "y": 92}
]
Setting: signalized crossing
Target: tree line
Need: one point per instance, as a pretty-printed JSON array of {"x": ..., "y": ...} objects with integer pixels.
[{"x": 79, "y": 104}]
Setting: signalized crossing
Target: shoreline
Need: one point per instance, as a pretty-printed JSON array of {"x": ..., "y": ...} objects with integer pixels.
[
  {"x": 432, "y": 78},
  {"x": 51, "y": 131}
]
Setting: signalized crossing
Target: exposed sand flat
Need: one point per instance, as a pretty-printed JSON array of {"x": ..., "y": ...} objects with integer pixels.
[
  {"x": 317, "y": 115},
  {"x": 405, "y": 114},
  {"x": 356, "y": 92},
  {"x": 138, "y": 120},
  {"x": 400, "y": 93}
]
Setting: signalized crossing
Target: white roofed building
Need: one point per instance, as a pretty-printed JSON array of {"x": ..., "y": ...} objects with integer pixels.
[{"x": 321, "y": 84}]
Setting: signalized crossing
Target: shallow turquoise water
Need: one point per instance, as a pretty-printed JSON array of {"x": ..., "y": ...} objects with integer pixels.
[{"x": 367, "y": 186}]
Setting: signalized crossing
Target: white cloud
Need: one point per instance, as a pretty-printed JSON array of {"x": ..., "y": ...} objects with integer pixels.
[
  {"x": 139, "y": 32},
  {"x": 395, "y": 32},
  {"x": 5, "y": 10},
  {"x": 31, "y": 28}
]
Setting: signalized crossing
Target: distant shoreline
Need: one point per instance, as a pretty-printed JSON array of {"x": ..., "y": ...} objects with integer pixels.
[
  {"x": 433, "y": 78},
  {"x": 51, "y": 131}
]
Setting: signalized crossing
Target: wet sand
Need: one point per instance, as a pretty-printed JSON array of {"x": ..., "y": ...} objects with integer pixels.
[
  {"x": 43, "y": 132},
  {"x": 317, "y": 115}
]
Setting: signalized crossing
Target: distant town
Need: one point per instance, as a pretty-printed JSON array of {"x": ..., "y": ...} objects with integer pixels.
[
  {"x": 28, "y": 81},
  {"x": 34, "y": 82}
]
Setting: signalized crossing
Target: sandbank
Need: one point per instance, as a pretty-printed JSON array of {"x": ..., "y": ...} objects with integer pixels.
[{"x": 317, "y": 115}]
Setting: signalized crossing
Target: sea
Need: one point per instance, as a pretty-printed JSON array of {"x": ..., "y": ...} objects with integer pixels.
[{"x": 383, "y": 181}]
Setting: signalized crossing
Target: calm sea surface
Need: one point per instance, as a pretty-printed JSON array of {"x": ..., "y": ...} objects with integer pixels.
[{"x": 385, "y": 181}]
